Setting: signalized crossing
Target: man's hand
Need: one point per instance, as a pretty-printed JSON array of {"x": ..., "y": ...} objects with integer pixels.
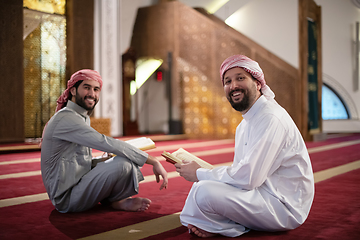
[
  {"x": 188, "y": 170},
  {"x": 158, "y": 170}
]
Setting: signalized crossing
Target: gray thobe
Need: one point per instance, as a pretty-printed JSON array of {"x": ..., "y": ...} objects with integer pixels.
[{"x": 66, "y": 159}]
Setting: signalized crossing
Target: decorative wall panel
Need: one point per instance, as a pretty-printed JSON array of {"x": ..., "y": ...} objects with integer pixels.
[
  {"x": 32, "y": 81},
  {"x": 44, "y": 69}
]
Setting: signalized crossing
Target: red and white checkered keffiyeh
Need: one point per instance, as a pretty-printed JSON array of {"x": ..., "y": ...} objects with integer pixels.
[
  {"x": 84, "y": 74},
  {"x": 249, "y": 66}
]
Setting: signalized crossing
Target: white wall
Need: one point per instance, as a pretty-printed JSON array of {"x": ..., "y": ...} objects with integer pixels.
[
  {"x": 152, "y": 106},
  {"x": 338, "y": 38},
  {"x": 274, "y": 25}
]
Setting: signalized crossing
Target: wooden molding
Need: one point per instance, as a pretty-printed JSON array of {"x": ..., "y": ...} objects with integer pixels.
[{"x": 308, "y": 10}]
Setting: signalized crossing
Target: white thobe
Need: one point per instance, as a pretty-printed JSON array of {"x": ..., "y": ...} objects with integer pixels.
[{"x": 268, "y": 187}]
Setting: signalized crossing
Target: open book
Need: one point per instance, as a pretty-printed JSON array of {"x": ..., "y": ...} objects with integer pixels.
[
  {"x": 142, "y": 143},
  {"x": 182, "y": 154}
]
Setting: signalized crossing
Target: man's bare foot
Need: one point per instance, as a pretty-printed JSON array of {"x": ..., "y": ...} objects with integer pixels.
[
  {"x": 132, "y": 204},
  {"x": 199, "y": 232}
]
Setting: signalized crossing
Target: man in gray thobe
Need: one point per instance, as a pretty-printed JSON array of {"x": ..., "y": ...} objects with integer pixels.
[{"x": 71, "y": 182}]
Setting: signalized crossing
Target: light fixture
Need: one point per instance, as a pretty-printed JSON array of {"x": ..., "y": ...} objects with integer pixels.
[
  {"x": 144, "y": 69},
  {"x": 232, "y": 20},
  {"x": 133, "y": 87},
  {"x": 215, "y": 5}
]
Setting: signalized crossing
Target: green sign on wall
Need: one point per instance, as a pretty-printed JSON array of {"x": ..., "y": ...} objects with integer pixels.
[{"x": 313, "y": 88}]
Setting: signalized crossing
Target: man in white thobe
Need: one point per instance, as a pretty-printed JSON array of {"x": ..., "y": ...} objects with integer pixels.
[{"x": 270, "y": 184}]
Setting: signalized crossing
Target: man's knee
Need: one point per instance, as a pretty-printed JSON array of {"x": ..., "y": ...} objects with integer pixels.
[
  {"x": 117, "y": 167},
  {"x": 123, "y": 163},
  {"x": 206, "y": 195}
]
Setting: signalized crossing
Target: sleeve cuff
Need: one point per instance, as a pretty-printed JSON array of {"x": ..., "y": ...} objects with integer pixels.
[
  {"x": 145, "y": 156},
  {"x": 201, "y": 173}
]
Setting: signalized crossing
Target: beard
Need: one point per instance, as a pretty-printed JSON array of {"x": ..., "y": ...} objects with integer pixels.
[
  {"x": 81, "y": 102},
  {"x": 243, "y": 104}
]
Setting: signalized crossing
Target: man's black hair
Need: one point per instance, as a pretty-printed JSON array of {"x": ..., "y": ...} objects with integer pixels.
[{"x": 76, "y": 85}]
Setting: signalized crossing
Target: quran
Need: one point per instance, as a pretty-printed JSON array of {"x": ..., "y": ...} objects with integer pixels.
[
  {"x": 181, "y": 154},
  {"x": 142, "y": 143}
]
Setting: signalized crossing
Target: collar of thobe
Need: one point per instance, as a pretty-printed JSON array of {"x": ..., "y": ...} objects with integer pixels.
[
  {"x": 254, "y": 109},
  {"x": 83, "y": 112}
]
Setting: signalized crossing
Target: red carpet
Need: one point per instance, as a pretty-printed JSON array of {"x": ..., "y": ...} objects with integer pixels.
[
  {"x": 334, "y": 215},
  {"x": 17, "y": 187},
  {"x": 335, "y": 157}
]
